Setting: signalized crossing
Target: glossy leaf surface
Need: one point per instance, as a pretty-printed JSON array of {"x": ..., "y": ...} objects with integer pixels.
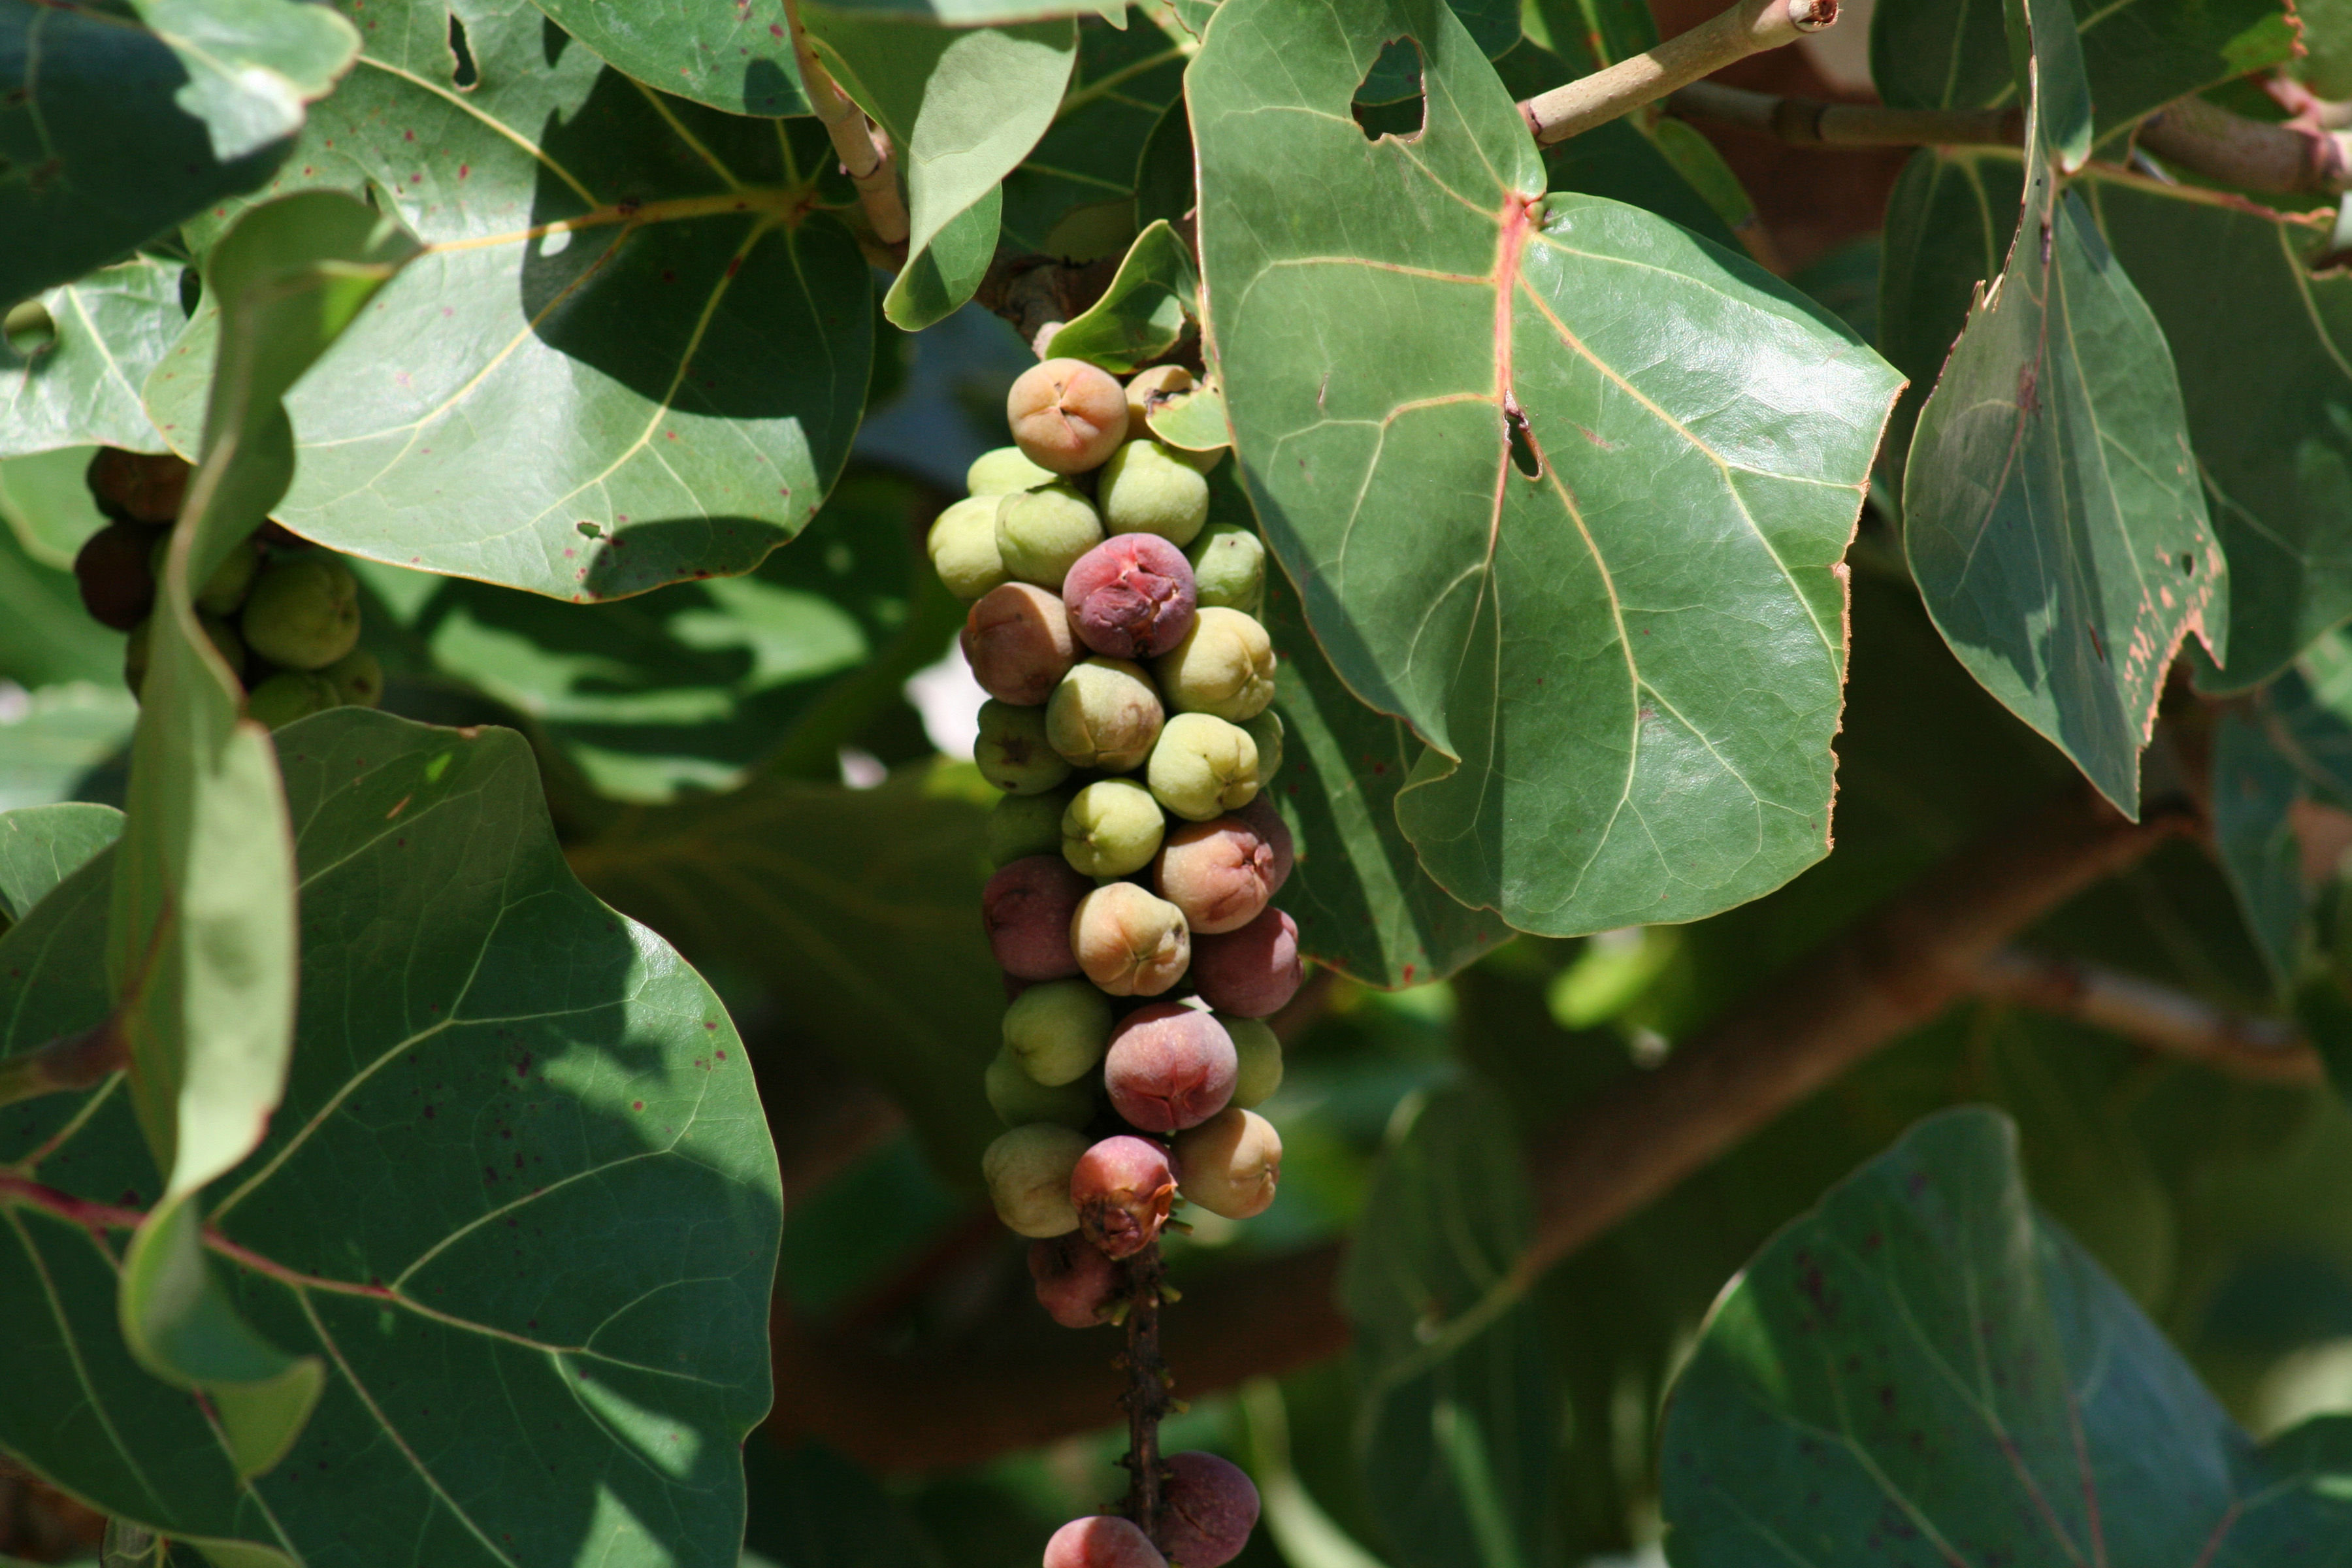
[
  {"x": 860, "y": 907},
  {"x": 630, "y": 288},
  {"x": 1363, "y": 904},
  {"x": 1140, "y": 317},
  {"x": 41, "y": 846},
  {"x": 111, "y": 132},
  {"x": 1626, "y": 663},
  {"x": 1074, "y": 195},
  {"x": 82, "y": 385},
  {"x": 547, "y": 1344},
  {"x": 1924, "y": 1370}
]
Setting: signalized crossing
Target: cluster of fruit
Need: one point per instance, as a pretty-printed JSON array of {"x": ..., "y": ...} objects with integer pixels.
[
  {"x": 284, "y": 616},
  {"x": 1129, "y": 678}
]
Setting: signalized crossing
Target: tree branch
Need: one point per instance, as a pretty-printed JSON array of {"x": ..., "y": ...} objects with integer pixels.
[
  {"x": 1147, "y": 1398},
  {"x": 82, "y": 1061},
  {"x": 1748, "y": 27},
  {"x": 1891, "y": 972},
  {"x": 1018, "y": 1380},
  {"x": 2267, "y": 1050},
  {"x": 866, "y": 153},
  {"x": 2193, "y": 135}
]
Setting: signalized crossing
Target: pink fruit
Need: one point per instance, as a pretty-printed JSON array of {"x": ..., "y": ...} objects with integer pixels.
[
  {"x": 1219, "y": 873},
  {"x": 1018, "y": 641},
  {"x": 1027, "y": 907},
  {"x": 1208, "y": 1509},
  {"x": 1122, "y": 1188},
  {"x": 1075, "y": 1283},
  {"x": 1252, "y": 972},
  {"x": 1102, "y": 1541},
  {"x": 1066, "y": 415},
  {"x": 1131, "y": 596},
  {"x": 1169, "y": 1067}
]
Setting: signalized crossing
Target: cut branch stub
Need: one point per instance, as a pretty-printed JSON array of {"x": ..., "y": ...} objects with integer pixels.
[{"x": 1626, "y": 665}]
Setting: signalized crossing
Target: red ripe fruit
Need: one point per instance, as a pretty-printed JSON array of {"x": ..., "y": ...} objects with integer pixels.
[
  {"x": 1169, "y": 1067},
  {"x": 1208, "y": 1509},
  {"x": 1026, "y": 907},
  {"x": 1122, "y": 1188},
  {"x": 1252, "y": 972},
  {"x": 1131, "y": 596},
  {"x": 1075, "y": 1283},
  {"x": 1264, "y": 819},
  {"x": 1102, "y": 1541}
]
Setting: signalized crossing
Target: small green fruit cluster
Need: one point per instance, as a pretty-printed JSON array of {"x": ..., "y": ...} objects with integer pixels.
[
  {"x": 1129, "y": 726},
  {"x": 285, "y": 618}
]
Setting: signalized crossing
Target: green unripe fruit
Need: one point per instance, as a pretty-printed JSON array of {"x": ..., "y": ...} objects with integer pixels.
[
  {"x": 1041, "y": 533},
  {"x": 1266, "y": 729},
  {"x": 303, "y": 613},
  {"x": 1105, "y": 714},
  {"x": 135, "y": 649},
  {"x": 1028, "y": 1175},
  {"x": 1260, "y": 1053},
  {"x": 1003, "y": 471},
  {"x": 1112, "y": 827},
  {"x": 1145, "y": 489},
  {"x": 1012, "y": 752},
  {"x": 224, "y": 591},
  {"x": 1229, "y": 568},
  {"x": 357, "y": 678},
  {"x": 1224, "y": 666},
  {"x": 962, "y": 546},
  {"x": 288, "y": 695},
  {"x": 1022, "y": 825},
  {"x": 1203, "y": 766},
  {"x": 1020, "y": 1100},
  {"x": 1058, "y": 1031}
]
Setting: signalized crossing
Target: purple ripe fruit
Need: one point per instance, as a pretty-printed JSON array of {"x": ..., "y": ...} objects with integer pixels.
[
  {"x": 1208, "y": 1509},
  {"x": 1252, "y": 972},
  {"x": 1017, "y": 640},
  {"x": 1075, "y": 1283},
  {"x": 1127, "y": 940},
  {"x": 1122, "y": 1188},
  {"x": 112, "y": 571},
  {"x": 1219, "y": 873},
  {"x": 1169, "y": 1067},
  {"x": 1230, "y": 1165},
  {"x": 1066, "y": 415},
  {"x": 1131, "y": 596},
  {"x": 1028, "y": 909},
  {"x": 1102, "y": 1541}
]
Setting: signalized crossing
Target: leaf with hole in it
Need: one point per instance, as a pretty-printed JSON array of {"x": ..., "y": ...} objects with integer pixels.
[
  {"x": 2052, "y": 514},
  {"x": 1588, "y": 551},
  {"x": 75, "y": 378},
  {"x": 1460, "y": 1405},
  {"x": 1363, "y": 904},
  {"x": 1074, "y": 195},
  {"x": 962, "y": 107},
  {"x": 2138, "y": 54},
  {"x": 1152, "y": 298},
  {"x": 550, "y": 1348},
  {"x": 111, "y": 132},
  {"x": 634, "y": 291},
  {"x": 41, "y": 846},
  {"x": 1924, "y": 1370},
  {"x": 859, "y": 907}
]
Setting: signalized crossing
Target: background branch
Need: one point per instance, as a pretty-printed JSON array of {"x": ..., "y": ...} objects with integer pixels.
[
  {"x": 1017, "y": 1381},
  {"x": 1744, "y": 29},
  {"x": 2267, "y": 1050},
  {"x": 2193, "y": 135}
]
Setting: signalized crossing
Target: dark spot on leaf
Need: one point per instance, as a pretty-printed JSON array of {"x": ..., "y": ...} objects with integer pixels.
[
  {"x": 2188, "y": 563},
  {"x": 465, "y": 74},
  {"x": 1524, "y": 455}
]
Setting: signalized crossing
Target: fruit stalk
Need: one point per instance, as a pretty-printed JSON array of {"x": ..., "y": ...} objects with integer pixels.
[{"x": 1147, "y": 1398}]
